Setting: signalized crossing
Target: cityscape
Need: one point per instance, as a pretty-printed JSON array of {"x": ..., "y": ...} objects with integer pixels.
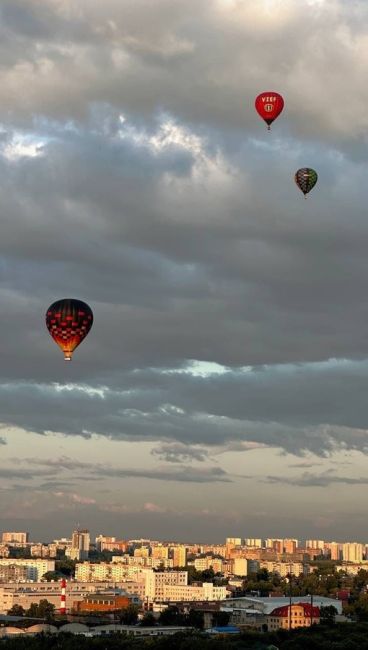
[
  {"x": 144, "y": 587},
  {"x": 183, "y": 325}
]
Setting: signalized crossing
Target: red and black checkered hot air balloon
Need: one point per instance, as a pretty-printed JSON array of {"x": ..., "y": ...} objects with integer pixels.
[
  {"x": 69, "y": 322},
  {"x": 269, "y": 106}
]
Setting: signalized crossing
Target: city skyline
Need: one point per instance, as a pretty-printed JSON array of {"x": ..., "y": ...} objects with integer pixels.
[{"x": 223, "y": 384}]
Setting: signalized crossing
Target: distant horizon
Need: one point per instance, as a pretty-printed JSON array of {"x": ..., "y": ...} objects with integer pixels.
[{"x": 175, "y": 541}]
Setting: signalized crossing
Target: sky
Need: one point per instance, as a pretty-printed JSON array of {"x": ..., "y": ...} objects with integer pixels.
[{"x": 222, "y": 390}]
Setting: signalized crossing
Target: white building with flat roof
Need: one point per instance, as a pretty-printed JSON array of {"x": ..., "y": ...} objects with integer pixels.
[
  {"x": 36, "y": 568},
  {"x": 267, "y": 604}
]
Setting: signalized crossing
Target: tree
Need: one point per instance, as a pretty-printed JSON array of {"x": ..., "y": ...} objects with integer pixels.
[
  {"x": 359, "y": 608},
  {"x": 43, "y": 609},
  {"x": 129, "y": 615},
  {"x": 171, "y": 616},
  {"x": 207, "y": 575},
  {"x": 16, "y": 610},
  {"x": 50, "y": 576},
  {"x": 148, "y": 620},
  {"x": 66, "y": 566},
  {"x": 327, "y": 614},
  {"x": 195, "y": 618}
]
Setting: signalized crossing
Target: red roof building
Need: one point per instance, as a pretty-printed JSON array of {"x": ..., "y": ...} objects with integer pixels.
[{"x": 289, "y": 617}]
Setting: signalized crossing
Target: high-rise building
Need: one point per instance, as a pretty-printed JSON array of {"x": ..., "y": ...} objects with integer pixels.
[
  {"x": 179, "y": 556},
  {"x": 290, "y": 545},
  {"x": 253, "y": 541},
  {"x": 15, "y": 537},
  {"x": 240, "y": 566},
  {"x": 141, "y": 551},
  {"x": 160, "y": 552},
  {"x": 80, "y": 545},
  {"x": 315, "y": 543},
  {"x": 275, "y": 543},
  {"x": 233, "y": 541},
  {"x": 352, "y": 552},
  {"x": 335, "y": 550}
]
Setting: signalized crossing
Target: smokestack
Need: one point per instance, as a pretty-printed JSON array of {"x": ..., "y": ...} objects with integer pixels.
[{"x": 62, "y": 609}]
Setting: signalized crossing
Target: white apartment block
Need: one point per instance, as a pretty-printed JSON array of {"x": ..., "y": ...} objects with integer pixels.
[
  {"x": 315, "y": 543},
  {"x": 207, "y": 591},
  {"x": 352, "y": 552},
  {"x": 353, "y": 569},
  {"x": 253, "y": 541},
  {"x": 233, "y": 541},
  {"x": 156, "y": 581},
  {"x": 283, "y": 568},
  {"x": 105, "y": 571},
  {"x": 208, "y": 562},
  {"x": 240, "y": 567},
  {"x": 143, "y": 561},
  {"x": 35, "y": 568},
  {"x": 15, "y": 537}
]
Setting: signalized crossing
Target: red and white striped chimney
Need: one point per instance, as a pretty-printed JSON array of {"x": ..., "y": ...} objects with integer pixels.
[{"x": 62, "y": 609}]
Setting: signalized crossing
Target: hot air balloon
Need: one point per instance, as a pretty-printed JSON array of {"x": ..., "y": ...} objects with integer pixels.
[
  {"x": 306, "y": 178},
  {"x": 69, "y": 322},
  {"x": 269, "y": 106}
]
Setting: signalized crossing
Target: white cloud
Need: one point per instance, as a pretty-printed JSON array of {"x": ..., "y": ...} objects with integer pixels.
[{"x": 23, "y": 146}]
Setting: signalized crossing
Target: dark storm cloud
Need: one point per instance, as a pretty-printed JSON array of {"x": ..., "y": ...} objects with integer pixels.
[
  {"x": 312, "y": 407},
  {"x": 180, "y": 223},
  {"x": 225, "y": 276}
]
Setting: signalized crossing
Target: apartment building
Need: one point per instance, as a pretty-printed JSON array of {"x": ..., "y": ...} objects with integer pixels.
[
  {"x": 15, "y": 537},
  {"x": 155, "y": 581},
  {"x": 352, "y": 552},
  {"x": 205, "y": 592},
  {"x": 283, "y": 569},
  {"x": 179, "y": 556},
  {"x": 36, "y": 568},
  {"x": 79, "y": 549},
  {"x": 208, "y": 562}
]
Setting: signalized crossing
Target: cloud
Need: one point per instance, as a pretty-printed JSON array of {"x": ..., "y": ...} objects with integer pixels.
[
  {"x": 230, "y": 314},
  {"x": 298, "y": 408},
  {"x": 105, "y": 471},
  {"x": 314, "y": 480},
  {"x": 179, "y": 453}
]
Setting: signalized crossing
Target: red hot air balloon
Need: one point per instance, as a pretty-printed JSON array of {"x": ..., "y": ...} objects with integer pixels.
[
  {"x": 69, "y": 322},
  {"x": 269, "y": 106}
]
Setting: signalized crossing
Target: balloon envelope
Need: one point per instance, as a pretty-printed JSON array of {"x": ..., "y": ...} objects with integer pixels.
[
  {"x": 269, "y": 106},
  {"x": 69, "y": 321},
  {"x": 306, "y": 178}
]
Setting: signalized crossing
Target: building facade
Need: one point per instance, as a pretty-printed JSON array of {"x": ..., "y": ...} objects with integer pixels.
[{"x": 289, "y": 617}]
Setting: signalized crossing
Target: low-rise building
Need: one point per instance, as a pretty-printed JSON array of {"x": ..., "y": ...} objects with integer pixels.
[
  {"x": 25, "y": 594},
  {"x": 105, "y": 601},
  {"x": 206, "y": 591},
  {"x": 290, "y": 617}
]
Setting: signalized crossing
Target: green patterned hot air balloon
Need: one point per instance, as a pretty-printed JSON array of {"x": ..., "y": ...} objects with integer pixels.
[{"x": 306, "y": 178}]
